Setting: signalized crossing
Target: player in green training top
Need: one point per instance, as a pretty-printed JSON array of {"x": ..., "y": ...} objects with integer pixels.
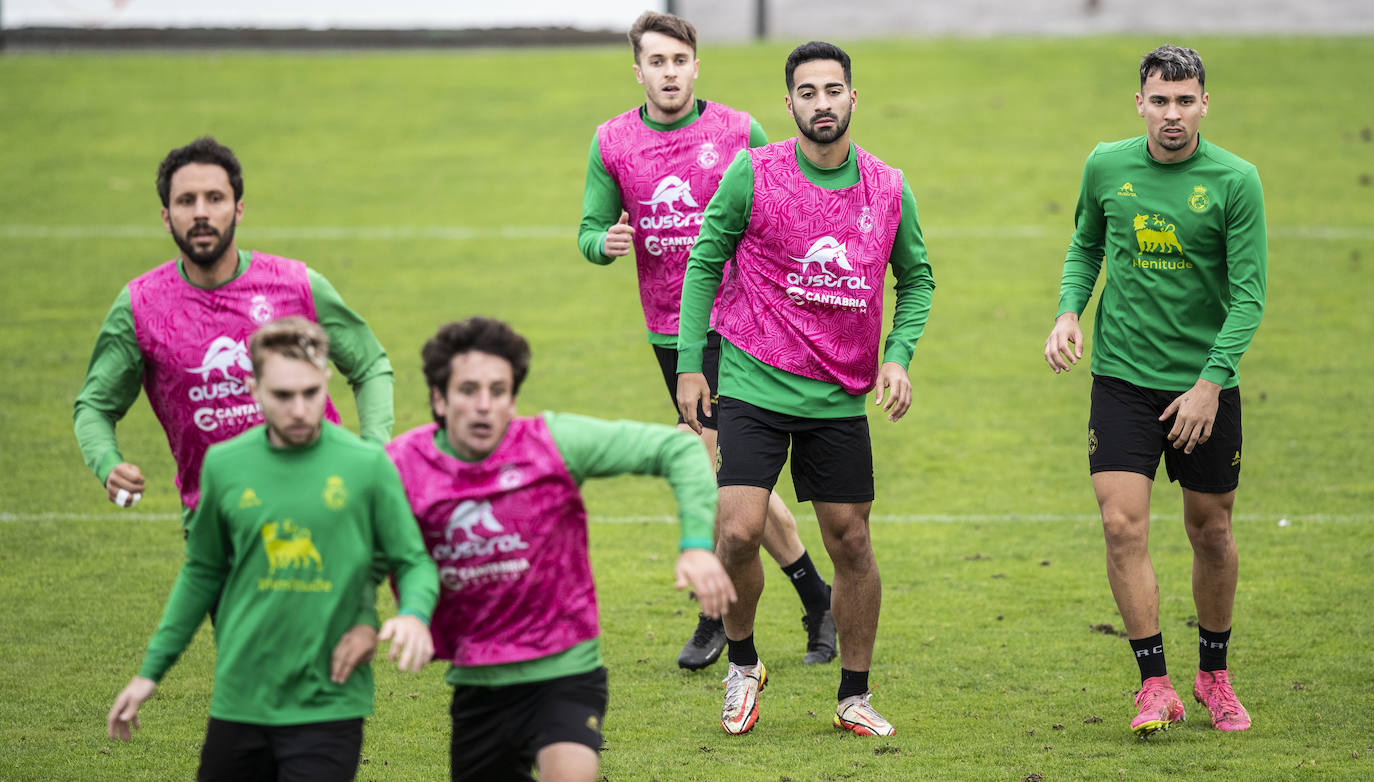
[
  {"x": 651, "y": 172},
  {"x": 290, "y": 518},
  {"x": 1180, "y": 223}
]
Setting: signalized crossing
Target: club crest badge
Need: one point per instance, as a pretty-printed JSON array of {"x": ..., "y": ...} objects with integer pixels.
[
  {"x": 260, "y": 309},
  {"x": 1199, "y": 200},
  {"x": 707, "y": 157},
  {"x": 865, "y": 221}
]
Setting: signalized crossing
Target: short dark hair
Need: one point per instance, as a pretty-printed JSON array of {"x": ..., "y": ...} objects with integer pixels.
[
  {"x": 816, "y": 50},
  {"x": 290, "y": 337},
  {"x": 487, "y": 335},
  {"x": 203, "y": 150},
  {"x": 1173, "y": 63},
  {"x": 666, "y": 24}
]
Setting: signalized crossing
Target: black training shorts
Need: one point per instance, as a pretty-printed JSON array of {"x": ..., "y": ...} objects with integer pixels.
[
  {"x": 1125, "y": 434},
  {"x": 832, "y": 458},
  {"x": 314, "y": 752},
  {"x": 710, "y": 366},
  {"x": 498, "y": 731}
]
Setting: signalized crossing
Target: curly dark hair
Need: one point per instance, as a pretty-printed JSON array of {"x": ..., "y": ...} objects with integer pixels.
[
  {"x": 487, "y": 335},
  {"x": 203, "y": 150}
]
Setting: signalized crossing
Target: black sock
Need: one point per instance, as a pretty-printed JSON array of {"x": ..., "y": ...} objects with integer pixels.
[
  {"x": 811, "y": 588},
  {"x": 852, "y": 683},
  {"x": 1149, "y": 655},
  {"x": 1211, "y": 649},
  {"x": 742, "y": 652}
]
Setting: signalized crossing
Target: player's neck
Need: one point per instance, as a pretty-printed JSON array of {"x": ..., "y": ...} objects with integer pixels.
[
  {"x": 217, "y": 273},
  {"x": 1172, "y": 156},
  {"x": 663, "y": 118},
  {"x": 829, "y": 155}
]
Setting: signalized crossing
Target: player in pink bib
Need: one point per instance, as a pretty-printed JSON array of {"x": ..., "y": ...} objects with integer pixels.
[
  {"x": 498, "y": 502},
  {"x": 181, "y": 332},
  {"x": 804, "y": 232},
  {"x": 651, "y": 173}
]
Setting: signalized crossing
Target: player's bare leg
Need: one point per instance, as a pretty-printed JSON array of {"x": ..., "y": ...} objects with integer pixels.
[
  {"x": 1124, "y": 499},
  {"x": 567, "y": 761},
  {"x": 783, "y": 544},
  {"x": 1216, "y": 567},
  {"x": 856, "y": 602},
  {"x": 858, "y": 590}
]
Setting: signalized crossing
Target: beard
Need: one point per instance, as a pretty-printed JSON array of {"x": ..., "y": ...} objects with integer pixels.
[
  {"x": 204, "y": 259},
  {"x": 1173, "y": 145},
  {"x": 296, "y": 439},
  {"x": 827, "y": 135}
]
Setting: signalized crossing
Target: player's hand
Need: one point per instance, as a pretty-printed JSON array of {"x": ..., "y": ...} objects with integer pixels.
[
  {"x": 692, "y": 390},
  {"x": 410, "y": 641},
  {"x": 124, "y": 485},
  {"x": 1195, "y": 411},
  {"x": 1064, "y": 345},
  {"x": 619, "y": 238},
  {"x": 124, "y": 712},
  {"x": 699, "y": 569},
  {"x": 892, "y": 377},
  {"x": 357, "y": 646}
]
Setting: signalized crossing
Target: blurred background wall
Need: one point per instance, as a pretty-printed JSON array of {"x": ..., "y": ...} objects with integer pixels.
[{"x": 718, "y": 20}]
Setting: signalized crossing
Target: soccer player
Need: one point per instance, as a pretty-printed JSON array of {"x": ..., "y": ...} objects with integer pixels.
[
  {"x": 180, "y": 331},
  {"x": 650, "y": 174},
  {"x": 498, "y": 501},
  {"x": 812, "y": 224},
  {"x": 1180, "y": 222},
  {"x": 290, "y": 516}
]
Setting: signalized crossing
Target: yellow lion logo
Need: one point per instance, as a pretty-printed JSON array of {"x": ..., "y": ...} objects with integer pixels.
[
  {"x": 1152, "y": 240},
  {"x": 298, "y": 551}
]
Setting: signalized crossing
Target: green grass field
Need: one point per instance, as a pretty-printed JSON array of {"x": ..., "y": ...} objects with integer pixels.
[{"x": 428, "y": 187}]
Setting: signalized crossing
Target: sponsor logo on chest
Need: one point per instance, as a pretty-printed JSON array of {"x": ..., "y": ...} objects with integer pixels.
[{"x": 822, "y": 279}]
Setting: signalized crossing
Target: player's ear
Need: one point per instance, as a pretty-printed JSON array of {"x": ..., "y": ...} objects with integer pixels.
[
  {"x": 167, "y": 219},
  {"x": 436, "y": 402}
]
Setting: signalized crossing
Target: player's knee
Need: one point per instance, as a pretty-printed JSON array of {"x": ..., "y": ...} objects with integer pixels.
[
  {"x": 851, "y": 548},
  {"x": 1125, "y": 531},
  {"x": 739, "y": 541}
]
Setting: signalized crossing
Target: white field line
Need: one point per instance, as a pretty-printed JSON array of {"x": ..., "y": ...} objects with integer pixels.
[
  {"x": 459, "y": 233},
  {"x": 896, "y": 518}
]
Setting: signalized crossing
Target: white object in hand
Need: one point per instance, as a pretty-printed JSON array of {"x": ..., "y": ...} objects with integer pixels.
[{"x": 125, "y": 500}]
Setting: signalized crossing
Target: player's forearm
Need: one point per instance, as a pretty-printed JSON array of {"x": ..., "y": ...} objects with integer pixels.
[
  {"x": 95, "y": 434},
  {"x": 193, "y": 594},
  {"x": 375, "y": 398},
  {"x": 417, "y": 581},
  {"x": 915, "y": 286},
  {"x": 1077, "y": 282},
  {"x": 699, "y": 286},
  {"x": 694, "y": 487},
  {"x": 1232, "y": 340},
  {"x": 601, "y": 207}
]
